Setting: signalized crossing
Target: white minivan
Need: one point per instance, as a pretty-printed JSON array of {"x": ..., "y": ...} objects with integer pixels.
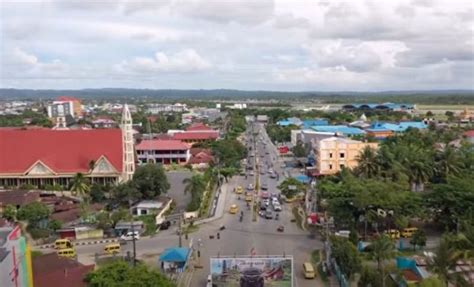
[{"x": 129, "y": 236}]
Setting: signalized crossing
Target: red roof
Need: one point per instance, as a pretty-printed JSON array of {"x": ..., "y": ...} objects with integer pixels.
[
  {"x": 196, "y": 135},
  {"x": 198, "y": 127},
  {"x": 67, "y": 99},
  {"x": 62, "y": 271},
  {"x": 201, "y": 157},
  {"x": 162, "y": 145},
  {"x": 469, "y": 134},
  {"x": 63, "y": 151}
]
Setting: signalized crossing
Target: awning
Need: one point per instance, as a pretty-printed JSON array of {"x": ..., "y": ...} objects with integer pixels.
[{"x": 175, "y": 254}]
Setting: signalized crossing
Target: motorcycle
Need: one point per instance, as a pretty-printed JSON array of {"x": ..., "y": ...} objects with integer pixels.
[
  {"x": 222, "y": 227},
  {"x": 276, "y": 217}
]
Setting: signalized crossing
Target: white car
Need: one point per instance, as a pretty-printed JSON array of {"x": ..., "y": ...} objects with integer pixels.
[
  {"x": 129, "y": 236},
  {"x": 250, "y": 186},
  {"x": 277, "y": 207}
]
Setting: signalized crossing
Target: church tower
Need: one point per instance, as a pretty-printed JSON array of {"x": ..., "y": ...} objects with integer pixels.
[{"x": 128, "y": 161}]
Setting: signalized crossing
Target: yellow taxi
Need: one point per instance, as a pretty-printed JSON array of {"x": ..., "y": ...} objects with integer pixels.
[
  {"x": 67, "y": 252},
  {"x": 239, "y": 189},
  {"x": 248, "y": 196},
  {"x": 112, "y": 249},
  {"x": 233, "y": 209},
  {"x": 62, "y": 244},
  {"x": 392, "y": 233}
]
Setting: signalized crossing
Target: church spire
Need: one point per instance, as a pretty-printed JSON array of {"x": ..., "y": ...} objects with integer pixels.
[{"x": 128, "y": 160}]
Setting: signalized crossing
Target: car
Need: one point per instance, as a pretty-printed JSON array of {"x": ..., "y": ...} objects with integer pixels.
[
  {"x": 242, "y": 172},
  {"x": 238, "y": 189},
  {"x": 262, "y": 171},
  {"x": 262, "y": 206},
  {"x": 270, "y": 171},
  {"x": 252, "y": 277},
  {"x": 268, "y": 214},
  {"x": 267, "y": 152},
  {"x": 274, "y": 195},
  {"x": 233, "y": 209},
  {"x": 264, "y": 195},
  {"x": 277, "y": 207},
  {"x": 273, "y": 175},
  {"x": 250, "y": 186},
  {"x": 266, "y": 202},
  {"x": 264, "y": 186},
  {"x": 252, "y": 173},
  {"x": 165, "y": 225},
  {"x": 130, "y": 235}
]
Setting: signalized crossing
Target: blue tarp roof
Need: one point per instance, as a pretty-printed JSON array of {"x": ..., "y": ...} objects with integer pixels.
[
  {"x": 175, "y": 254},
  {"x": 302, "y": 178},
  {"x": 339, "y": 129},
  {"x": 315, "y": 122},
  {"x": 390, "y": 106}
]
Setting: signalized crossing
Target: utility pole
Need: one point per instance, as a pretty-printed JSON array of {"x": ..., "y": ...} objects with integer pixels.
[
  {"x": 180, "y": 232},
  {"x": 134, "y": 246}
]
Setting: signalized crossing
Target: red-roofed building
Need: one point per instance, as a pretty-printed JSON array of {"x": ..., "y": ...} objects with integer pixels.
[
  {"x": 200, "y": 157},
  {"x": 193, "y": 137},
  {"x": 46, "y": 157},
  {"x": 163, "y": 151},
  {"x": 52, "y": 270},
  {"x": 198, "y": 127}
]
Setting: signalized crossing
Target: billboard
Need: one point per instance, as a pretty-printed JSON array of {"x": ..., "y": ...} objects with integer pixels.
[{"x": 275, "y": 271}]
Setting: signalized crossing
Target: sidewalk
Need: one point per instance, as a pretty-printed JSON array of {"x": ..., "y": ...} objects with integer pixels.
[{"x": 220, "y": 208}]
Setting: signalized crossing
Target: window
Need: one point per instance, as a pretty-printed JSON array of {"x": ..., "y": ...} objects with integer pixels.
[
  {"x": 330, "y": 166},
  {"x": 341, "y": 155},
  {"x": 341, "y": 166},
  {"x": 330, "y": 155}
]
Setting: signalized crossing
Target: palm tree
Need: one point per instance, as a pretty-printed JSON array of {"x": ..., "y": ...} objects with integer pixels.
[
  {"x": 194, "y": 184},
  {"x": 80, "y": 185},
  {"x": 367, "y": 163},
  {"x": 444, "y": 263},
  {"x": 382, "y": 250},
  {"x": 448, "y": 162}
]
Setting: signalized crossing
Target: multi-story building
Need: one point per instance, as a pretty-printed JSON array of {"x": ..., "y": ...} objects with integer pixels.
[
  {"x": 15, "y": 258},
  {"x": 43, "y": 157},
  {"x": 163, "y": 151},
  {"x": 166, "y": 108},
  {"x": 335, "y": 153},
  {"x": 195, "y": 133}
]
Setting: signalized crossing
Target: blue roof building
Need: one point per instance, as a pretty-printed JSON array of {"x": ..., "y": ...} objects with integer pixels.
[
  {"x": 397, "y": 128},
  {"x": 340, "y": 129},
  {"x": 384, "y": 106},
  {"x": 290, "y": 121},
  {"x": 314, "y": 122}
]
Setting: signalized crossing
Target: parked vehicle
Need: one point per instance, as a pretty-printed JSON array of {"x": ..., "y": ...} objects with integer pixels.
[
  {"x": 250, "y": 186},
  {"x": 392, "y": 233},
  {"x": 165, "y": 225},
  {"x": 268, "y": 214},
  {"x": 233, "y": 209},
  {"x": 264, "y": 186},
  {"x": 239, "y": 189}
]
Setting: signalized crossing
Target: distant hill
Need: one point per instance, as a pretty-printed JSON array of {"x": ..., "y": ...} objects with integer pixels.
[{"x": 426, "y": 97}]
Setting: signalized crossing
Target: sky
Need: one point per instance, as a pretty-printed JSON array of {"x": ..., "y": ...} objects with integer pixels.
[{"x": 288, "y": 45}]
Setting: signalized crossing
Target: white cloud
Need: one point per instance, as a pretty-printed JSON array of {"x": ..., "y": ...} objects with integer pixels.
[
  {"x": 184, "y": 61},
  {"x": 239, "y": 11}
]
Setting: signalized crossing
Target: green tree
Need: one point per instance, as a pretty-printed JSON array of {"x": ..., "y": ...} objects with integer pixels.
[
  {"x": 449, "y": 202},
  {"x": 150, "y": 181},
  {"x": 290, "y": 187},
  {"x": 448, "y": 163},
  {"x": 367, "y": 163},
  {"x": 97, "y": 193},
  {"x": 196, "y": 186},
  {"x": 444, "y": 264},
  {"x": 431, "y": 282},
  {"x": 125, "y": 192},
  {"x": 346, "y": 255},
  {"x": 54, "y": 224},
  {"x": 118, "y": 215},
  {"x": 418, "y": 239},
  {"x": 382, "y": 249},
  {"x": 299, "y": 150},
  {"x": 120, "y": 273},
  {"x": 33, "y": 212},
  {"x": 369, "y": 277},
  {"x": 9, "y": 212},
  {"x": 80, "y": 185}
]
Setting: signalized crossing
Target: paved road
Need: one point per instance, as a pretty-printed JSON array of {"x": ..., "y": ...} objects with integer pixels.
[
  {"x": 175, "y": 178},
  {"x": 239, "y": 238}
]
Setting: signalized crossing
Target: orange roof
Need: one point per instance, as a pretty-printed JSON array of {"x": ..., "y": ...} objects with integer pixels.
[
  {"x": 162, "y": 145},
  {"x": 63, "y": 151}
]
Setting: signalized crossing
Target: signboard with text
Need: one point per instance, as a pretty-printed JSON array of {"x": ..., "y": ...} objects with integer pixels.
[{"x": 274, "y": 271}]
